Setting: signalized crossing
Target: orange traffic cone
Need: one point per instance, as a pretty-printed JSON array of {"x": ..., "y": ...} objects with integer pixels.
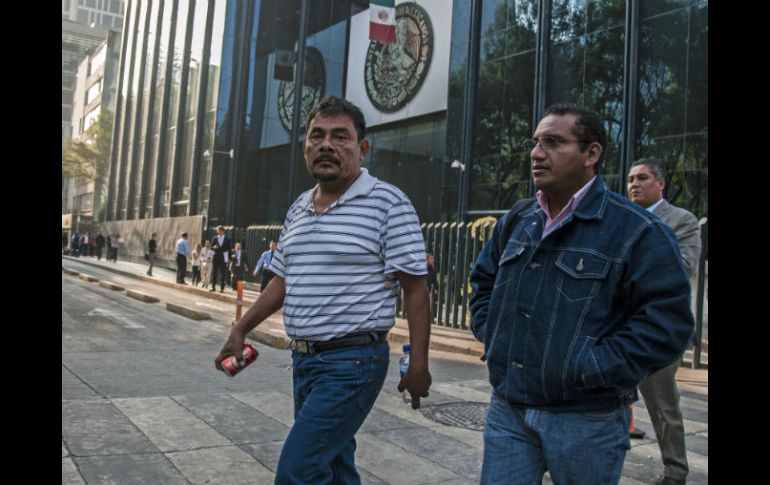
[{"x": 632, "y": 431}]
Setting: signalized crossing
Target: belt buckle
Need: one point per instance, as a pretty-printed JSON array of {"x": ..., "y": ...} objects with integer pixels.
[{"x": 301, "y": 346}]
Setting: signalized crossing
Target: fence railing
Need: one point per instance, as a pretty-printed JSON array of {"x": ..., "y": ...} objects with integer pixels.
[
  {"x": 455, "y": 247},
  {"x": 254, "y": 241}
]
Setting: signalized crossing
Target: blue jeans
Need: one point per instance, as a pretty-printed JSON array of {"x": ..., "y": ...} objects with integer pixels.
[
  {"x": 333, "y": 393},
  {"x": 520, "y": 444}
]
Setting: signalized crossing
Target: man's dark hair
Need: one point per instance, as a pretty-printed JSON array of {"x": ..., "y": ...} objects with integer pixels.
[
  {"x": 184, "y": 234},
  {"x": 655, "y": 166},
  {"x": 588, "y": 126},
  {"x": 333, "y": 106}
]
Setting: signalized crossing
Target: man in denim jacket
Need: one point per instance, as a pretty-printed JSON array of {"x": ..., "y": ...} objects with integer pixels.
[{"x": 586, "y": 298}]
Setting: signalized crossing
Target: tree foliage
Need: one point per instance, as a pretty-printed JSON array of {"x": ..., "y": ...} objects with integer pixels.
[{"x": 88, "y": 157}]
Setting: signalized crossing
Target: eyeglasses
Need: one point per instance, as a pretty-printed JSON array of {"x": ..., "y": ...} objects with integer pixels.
[
  {"x": 339, "y": 139},
  {"x": 546, "y": 143}
]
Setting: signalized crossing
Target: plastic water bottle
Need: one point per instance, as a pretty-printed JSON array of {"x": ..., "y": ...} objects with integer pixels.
[{"x": 403, "y": 364}]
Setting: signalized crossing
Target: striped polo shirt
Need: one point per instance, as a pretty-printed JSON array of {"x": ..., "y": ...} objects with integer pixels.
[{"x": 340, "y": 267}]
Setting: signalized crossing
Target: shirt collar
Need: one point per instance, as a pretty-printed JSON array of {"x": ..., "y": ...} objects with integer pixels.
[
  {"x": 362, "y": 186},
  {"x": 655, "y": 205},
  {"x": 573, "y": 202}
]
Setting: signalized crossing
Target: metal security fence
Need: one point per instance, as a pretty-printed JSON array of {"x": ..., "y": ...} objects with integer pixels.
[
  {"x": 254, "y": 240},
  {"x": 455, "y": 247}
]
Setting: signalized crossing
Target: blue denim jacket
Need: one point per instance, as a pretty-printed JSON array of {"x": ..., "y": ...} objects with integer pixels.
[{"x": 574, "y": 322}]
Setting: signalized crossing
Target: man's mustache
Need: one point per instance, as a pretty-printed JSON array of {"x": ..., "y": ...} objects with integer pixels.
[{"x": 325, "y": 158}]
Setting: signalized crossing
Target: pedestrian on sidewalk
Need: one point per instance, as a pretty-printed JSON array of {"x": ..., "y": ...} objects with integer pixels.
[
  {"x": 75, "y": 245},
  {"x": 221, "y": 246},
  {"x": 339, "y": 344},
  {"x": 582, "y": 299},
  {"x": 646, "y": 184},
  {"x": 238, "y": 266},
  {"x": 100, "y": 242},
  {"x": 152, "y": 252},
  {"x": 182, "y": 253},
  {"x": 197, "y": 256},
  {"x": 263, "y": 265},
  {"x": 91, "y": 246},
  {"x": 84, "y": 244},
  {"x": 206, "y": 255},
  {"x": 114, "y": 244}
]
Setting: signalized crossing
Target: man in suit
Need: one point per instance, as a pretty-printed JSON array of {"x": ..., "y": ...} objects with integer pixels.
[
  {"x": 238, "y": 265},
  {"x": 100, "y": 242},
  {"x": 646, "y": 182},
  {"x": 221, "y": 245}
]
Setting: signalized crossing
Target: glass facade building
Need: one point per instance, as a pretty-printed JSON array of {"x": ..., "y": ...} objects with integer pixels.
[{"x": 202, "y": 80}]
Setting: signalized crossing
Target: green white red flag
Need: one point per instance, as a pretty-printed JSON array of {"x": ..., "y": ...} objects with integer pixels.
[{"x": 382, "y": 23}]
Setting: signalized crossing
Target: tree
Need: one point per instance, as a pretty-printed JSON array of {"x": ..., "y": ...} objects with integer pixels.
[{"x": 88, "y": 158}]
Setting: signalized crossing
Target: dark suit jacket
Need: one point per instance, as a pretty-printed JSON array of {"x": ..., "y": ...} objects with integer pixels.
[
  {"x": 244, "y": 264},
  {"x": 219, "y": 252}
]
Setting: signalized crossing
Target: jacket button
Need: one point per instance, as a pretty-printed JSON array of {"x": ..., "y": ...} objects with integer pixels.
[
  {"x": 525, "y": 314},
  {"x": 534, "y": 265},
  {"x": 516, "y": 365}
]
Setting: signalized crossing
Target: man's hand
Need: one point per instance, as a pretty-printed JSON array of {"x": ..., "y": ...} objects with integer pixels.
[
  {"x": 233, "y": 346},
  {"x": 416, "y": 382}
]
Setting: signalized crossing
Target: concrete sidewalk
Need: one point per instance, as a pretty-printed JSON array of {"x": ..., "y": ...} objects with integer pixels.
[{"x": 271, "y": 332}]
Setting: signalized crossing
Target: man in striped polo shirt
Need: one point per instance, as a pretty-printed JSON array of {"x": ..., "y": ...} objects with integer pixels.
[{"x": 346, "y": 246}]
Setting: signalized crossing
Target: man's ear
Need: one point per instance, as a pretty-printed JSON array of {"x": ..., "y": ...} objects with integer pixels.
[
  {"x": 364, "y": 146},
  {"x": 594, "y": 153}
]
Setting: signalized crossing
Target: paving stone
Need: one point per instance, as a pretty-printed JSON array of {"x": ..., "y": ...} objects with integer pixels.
[
  {"x": 139, "y": 469},
  {"x": 226, "y": 465},
  {"x": 237, "y": 421},
  {"x": 168, "y": 425},
  {"x": 98, "y": 428},
  {"x": 69, "y": 473}
]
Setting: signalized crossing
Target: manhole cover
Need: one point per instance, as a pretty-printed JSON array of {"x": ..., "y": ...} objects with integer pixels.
[{"x": 468, "y": 415}]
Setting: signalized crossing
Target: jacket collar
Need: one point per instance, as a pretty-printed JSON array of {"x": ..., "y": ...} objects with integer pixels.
[{"x": 594, "y": 204}]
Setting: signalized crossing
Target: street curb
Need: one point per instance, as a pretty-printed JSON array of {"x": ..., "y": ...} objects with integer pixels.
[
  {"x": 269, "y": 339},
  {"x": 187, "y": 312},
  {"x": 111, "y": 286},
  {"x": 142, "y": 296},
  {"x": 88, "y": 277},
  {"x": 398, "y": 336},
  {"x": 70, "y": 271},
  {"x": 248, "y": 300}
]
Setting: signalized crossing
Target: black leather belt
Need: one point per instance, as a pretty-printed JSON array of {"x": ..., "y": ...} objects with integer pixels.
[{"x": 352, "y": 340}]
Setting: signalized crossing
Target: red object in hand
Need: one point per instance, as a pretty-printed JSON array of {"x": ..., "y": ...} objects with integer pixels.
[{"x": 230, "y": 364}]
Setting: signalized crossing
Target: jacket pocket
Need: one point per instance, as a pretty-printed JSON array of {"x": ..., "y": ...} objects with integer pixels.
[
  {"x": 512, "y": 253},
  {"x": 582, "y": 274},
  {"x": 586, "y": 371}
]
